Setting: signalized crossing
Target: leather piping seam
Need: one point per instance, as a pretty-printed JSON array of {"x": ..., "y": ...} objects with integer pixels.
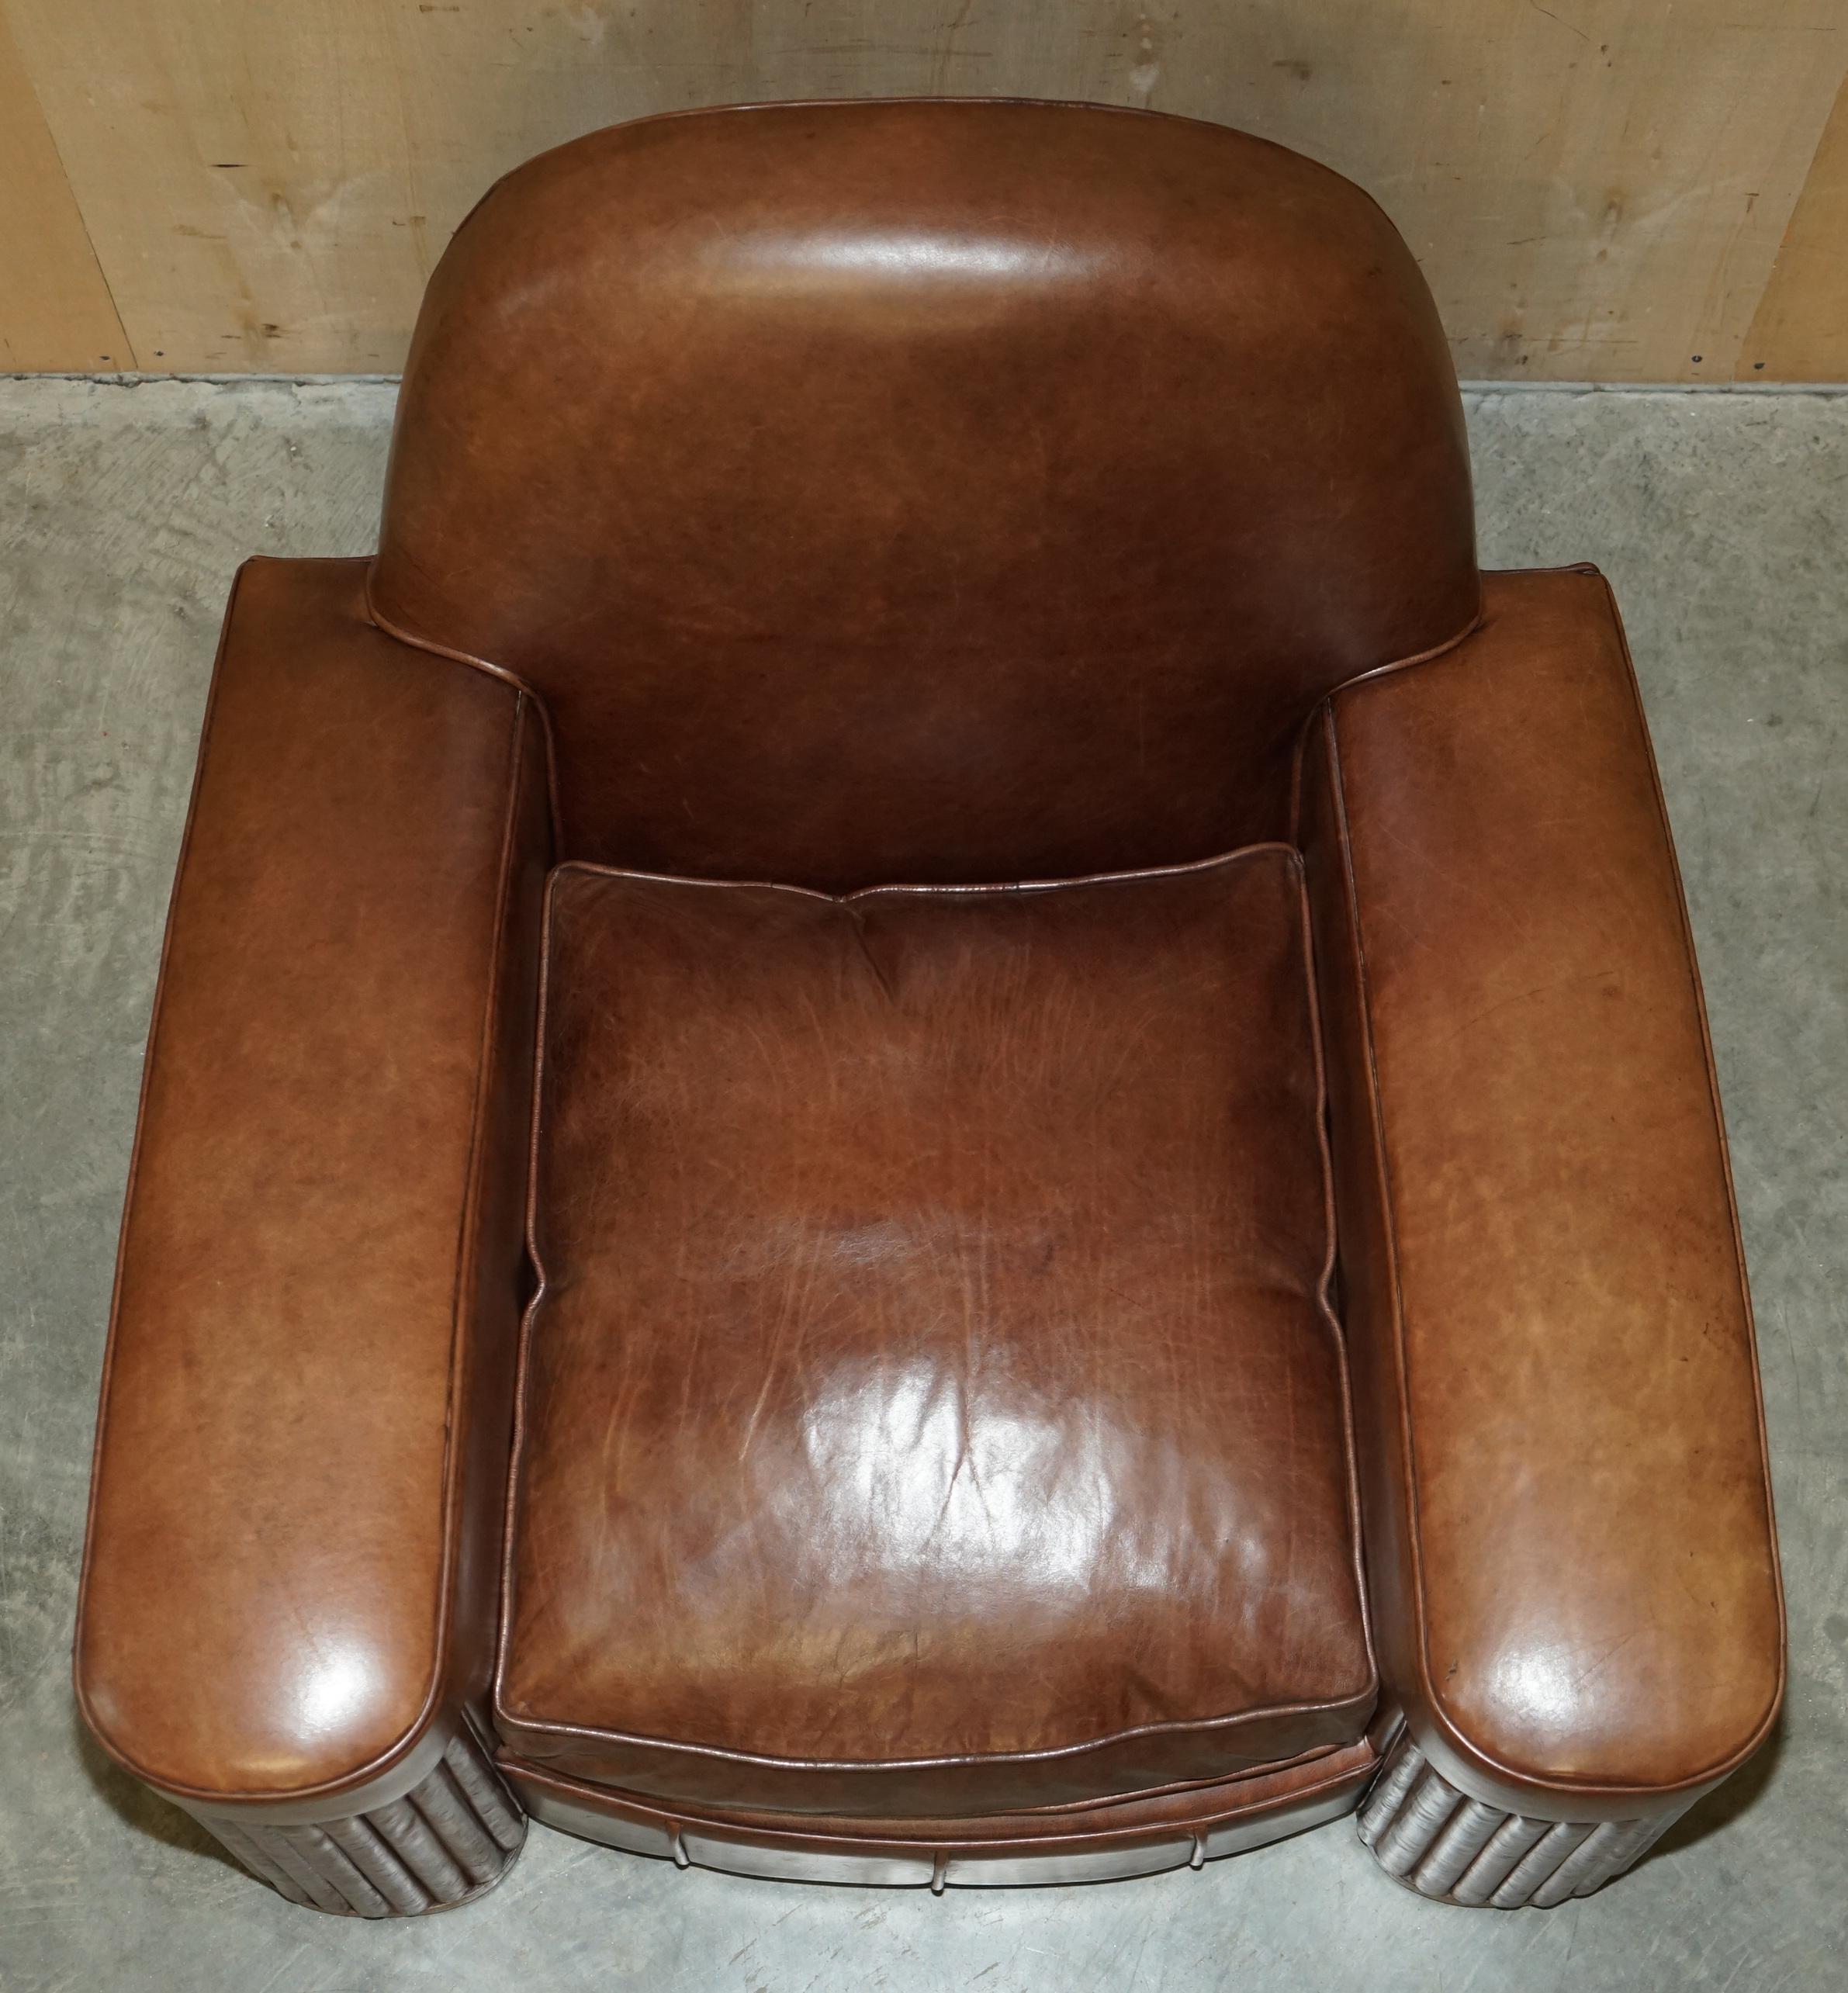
[
  {"x": 510, "y": 1519},
  {"x": 594, "y": 869},
  {"x": 515, "y": 1768},
  {"x": 1325, "y": 699},
  {"x": 382, "y": 1762},
  {"x": 1365, "y": 1697},
  {"x": 386, "y": 628},
  {"x": 881, "y": 1767},
  {"x": 1177, "y": 1788},
  {"x": 1324, "y": 1287},
  {"x": 468, "y": 1243},
  {"x": 1078, "y": 1810},
  {"x": 1551, "y": 1783},
  {"x": 1479, "y": 617}
]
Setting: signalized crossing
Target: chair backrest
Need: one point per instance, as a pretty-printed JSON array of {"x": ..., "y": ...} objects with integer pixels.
[{"x": 926, "y": 491}]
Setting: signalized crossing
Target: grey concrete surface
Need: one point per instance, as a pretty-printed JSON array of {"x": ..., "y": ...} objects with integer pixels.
[{"x": 123, "y": 511}]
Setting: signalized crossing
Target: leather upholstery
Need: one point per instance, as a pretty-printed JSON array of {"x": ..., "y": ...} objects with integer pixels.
[
  {"x": 307, "y": 1404},
  {"x": 942, "y": 492},
  {"x": 935, "y": 1439},
  {"x": 933, "y": 1405},
  {"x": 1569, "y": 1524},
  {"x": 1188, "y": 1824}
]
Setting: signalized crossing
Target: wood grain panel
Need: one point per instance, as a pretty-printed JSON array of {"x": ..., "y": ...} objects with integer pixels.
[
  {"x": 56, "y": 314},
  {"x": 243, "y": 169},
  {"x": 1597, "y": 188},
  {"x": 1799, "y": 331}
]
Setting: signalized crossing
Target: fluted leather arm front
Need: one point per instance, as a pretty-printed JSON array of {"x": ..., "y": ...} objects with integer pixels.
[
  {"x": 290, "y": 1578},
  {"x": 1568, "y": 1519}
]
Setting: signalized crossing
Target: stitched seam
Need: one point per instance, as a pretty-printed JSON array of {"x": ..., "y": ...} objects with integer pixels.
[
  {"x": 506, "y": 1714},
  {"x": 398, "y": 634},
  {"x": 516, "y": 1451},
  {"x": 1323, "y": 1296},
  {"x": 1462, "y": 636},
  {"x": 1298, "y": 752},
  {"x": 1181, "y": 1727},
  {"x": 592, "y": 868},
  {"x": 1383, "y": 1169},
  {"x": 718, "y": 1813},
  {"x": 1723, "y": 1767},
  {"x": 1079, "y": 1809},
  {"x": 468, "y": 1243}
]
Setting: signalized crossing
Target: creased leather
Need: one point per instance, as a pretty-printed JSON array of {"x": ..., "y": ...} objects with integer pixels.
[{"x": 932, "y": 1406}]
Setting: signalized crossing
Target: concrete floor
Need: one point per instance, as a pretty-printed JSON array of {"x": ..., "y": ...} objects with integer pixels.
[{"x": 123, "y": 511}]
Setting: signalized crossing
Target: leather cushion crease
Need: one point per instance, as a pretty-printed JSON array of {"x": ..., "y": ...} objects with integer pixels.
[{"x": 989, "y": 1448}]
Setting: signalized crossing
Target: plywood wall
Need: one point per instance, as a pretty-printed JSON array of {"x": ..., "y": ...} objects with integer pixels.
[{"x": 1598, "y": 189}]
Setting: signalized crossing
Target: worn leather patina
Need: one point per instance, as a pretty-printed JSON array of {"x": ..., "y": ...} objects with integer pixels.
[{"x": 1078, "y": 1047}]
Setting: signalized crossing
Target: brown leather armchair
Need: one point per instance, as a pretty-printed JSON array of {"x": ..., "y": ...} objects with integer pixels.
[{"x": 1170, "y": 1273}]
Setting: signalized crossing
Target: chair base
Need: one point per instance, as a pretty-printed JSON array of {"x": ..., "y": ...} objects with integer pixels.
[
  {"x": 1449, "y": 1848},
  {"x": 453, "y": 1835},
  {"x": 1106, "y": 1844},
  {"x": 447, "y": 1840}
]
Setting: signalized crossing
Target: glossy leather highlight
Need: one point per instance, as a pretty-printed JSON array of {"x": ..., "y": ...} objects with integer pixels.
[
  {"x": 936, "y": 1442},
  {"x": 306, "y": 1411},
  {"x": 937, "y": 492},
  {"x": 1002, "y": 1355},
  {"x": 1569, "y": 1526}
]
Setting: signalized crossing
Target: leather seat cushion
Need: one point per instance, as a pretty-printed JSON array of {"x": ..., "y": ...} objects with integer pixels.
[{"x": 932, "y": 1404}]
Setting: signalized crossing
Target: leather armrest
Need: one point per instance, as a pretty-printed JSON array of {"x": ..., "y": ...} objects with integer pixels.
[
  {"x": 1570, "y": 1538},
  {"x": 290, "y": 1576}
]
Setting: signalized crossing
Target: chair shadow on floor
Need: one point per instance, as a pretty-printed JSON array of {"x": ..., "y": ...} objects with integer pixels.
[
  {"x": 144, "y": 1811},
  {"x": 1727, "y": 1801}
]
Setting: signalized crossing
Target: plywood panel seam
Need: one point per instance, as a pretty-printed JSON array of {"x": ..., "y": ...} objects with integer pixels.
[
  {"x": 58, "y": 296},
  {"x": 1801, "y": 324},
  {"x": 102, "y": 276}
]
